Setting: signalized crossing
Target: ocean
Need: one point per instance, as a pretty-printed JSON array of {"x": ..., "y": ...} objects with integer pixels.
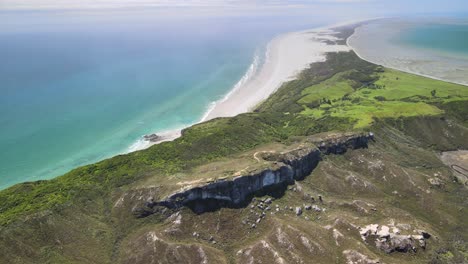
[
  {"x": 447, "y": 38},
  {"x": 435, "y": 47},
  {"x": 79, "y": 87}
]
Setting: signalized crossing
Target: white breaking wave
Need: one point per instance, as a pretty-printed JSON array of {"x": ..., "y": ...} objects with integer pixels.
[
  {"x": 247, "y": 76},
  {"x": 142, "y": 143},
  {"x": 139, "y": 145},
  {"x": 169, "y": 135}
]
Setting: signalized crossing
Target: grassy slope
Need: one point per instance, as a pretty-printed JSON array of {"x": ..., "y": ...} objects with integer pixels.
[{"x": 344, "y": 93}]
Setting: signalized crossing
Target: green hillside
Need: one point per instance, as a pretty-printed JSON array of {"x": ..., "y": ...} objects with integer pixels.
[{"x": 86, "y": 215}]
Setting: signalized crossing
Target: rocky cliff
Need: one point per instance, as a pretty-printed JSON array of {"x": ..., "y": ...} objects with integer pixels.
[{"x": 286, "y": 168}]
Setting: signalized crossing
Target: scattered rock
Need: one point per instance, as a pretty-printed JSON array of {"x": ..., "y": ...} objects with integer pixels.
[
  {"x": 298, "y": 211},
  {"x": 258, "y": 220},
  {"x": 435, "y": 182},
  {"x": 425, "y": 234},
  {"x": 268, "y": 201},
  {"x": 393, "y": 241},
  {"x": 368, "y": 230},
  {"x": 254, "y": 225},
  {"x": 308, "y": 207},
  {"x": 384, "y": 231},
  {"x": 316, "y": 208},
  {"x": 398, "y": 243}
]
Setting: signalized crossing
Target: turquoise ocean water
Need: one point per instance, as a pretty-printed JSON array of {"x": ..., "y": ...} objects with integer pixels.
[
  {"x": 447, "y": 38},
  {"x": 77, "y": 88}
]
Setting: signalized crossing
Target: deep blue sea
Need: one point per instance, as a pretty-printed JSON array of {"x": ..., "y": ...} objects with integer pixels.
[{"x": 78, "y": 87}]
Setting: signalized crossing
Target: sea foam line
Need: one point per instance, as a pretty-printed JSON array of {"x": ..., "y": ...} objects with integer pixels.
[
  {"x": 170, "y": 135},
  {"x": 167, "y": 135},
  {"x": 247, "y": 77}
]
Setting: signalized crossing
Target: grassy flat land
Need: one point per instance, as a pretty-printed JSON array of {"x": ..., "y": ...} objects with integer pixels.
[{"x": 389, "y": 94}]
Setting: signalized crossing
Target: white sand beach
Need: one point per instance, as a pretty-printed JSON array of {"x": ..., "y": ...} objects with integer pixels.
[
  {"x": 287, "y": 55},
  {"x": 374, "y": 42}
]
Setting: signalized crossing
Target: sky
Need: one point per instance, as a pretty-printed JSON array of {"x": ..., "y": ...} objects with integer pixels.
[{"x": 330, "y": 7}]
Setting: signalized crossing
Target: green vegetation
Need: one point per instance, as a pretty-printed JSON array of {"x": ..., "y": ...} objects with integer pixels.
[
  {"x": 343, "y": 93},
  {"x": 389, "y": 94},
  {"x": 336, "y": 95}
]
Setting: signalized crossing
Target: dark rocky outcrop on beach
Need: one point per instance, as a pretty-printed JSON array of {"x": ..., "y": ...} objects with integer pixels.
[{"x": 152, "y": 137}]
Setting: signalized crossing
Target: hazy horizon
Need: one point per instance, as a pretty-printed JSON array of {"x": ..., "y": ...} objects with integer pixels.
[{"x": 346, "y": 9}]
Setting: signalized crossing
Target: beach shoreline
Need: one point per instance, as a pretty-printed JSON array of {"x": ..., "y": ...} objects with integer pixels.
[
  {"x": 424, "y": 63},
  {"x": 287, "y": 55}
]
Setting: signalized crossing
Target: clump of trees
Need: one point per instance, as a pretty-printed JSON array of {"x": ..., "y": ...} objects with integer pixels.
[
  {"x": 374, "y": 86},
  {"x": 380, "y": 98},
  {"x": 325, "y": 101},
  {"x": 346, "y": 98}
]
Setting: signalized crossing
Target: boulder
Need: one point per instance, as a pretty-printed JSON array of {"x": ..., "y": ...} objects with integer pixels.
[
  {"x": 383, "y": 232},
  {"x": 298, "y": 211},
  {"x": 398, "y": 243},
  {"x": 316, "y": 208},
  {"x": 152, "y": 138},
  {"x": 392, "y": 241}
]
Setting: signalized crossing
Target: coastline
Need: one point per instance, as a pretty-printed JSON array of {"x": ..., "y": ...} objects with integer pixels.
[
  {"x": 426, "y": 63},
  {"x": 286, "y": 56}
]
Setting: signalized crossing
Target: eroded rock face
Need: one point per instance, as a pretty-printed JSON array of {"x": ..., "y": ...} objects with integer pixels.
[
  {"x": 342, "y": 144},
  {"x": 291, "y": 166},
  {"x": 227, "y": 193},
  {"x": 389, "y": 239}
]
